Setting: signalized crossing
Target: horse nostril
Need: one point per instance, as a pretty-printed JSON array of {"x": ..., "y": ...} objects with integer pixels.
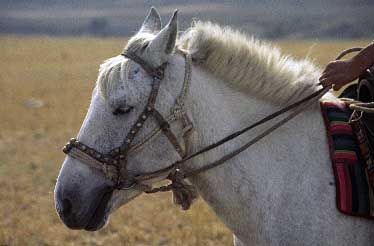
[{"x": 66, "y": 207}]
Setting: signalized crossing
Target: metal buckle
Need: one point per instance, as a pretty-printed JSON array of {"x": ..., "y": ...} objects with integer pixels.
[{"x": 159, "y": 73}]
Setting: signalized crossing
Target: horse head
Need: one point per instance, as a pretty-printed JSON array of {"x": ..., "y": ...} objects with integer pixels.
[{"x": 85, "y": 196}]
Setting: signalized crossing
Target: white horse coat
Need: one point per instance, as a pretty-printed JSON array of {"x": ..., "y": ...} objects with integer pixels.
[{"x": 278, "y": 192}]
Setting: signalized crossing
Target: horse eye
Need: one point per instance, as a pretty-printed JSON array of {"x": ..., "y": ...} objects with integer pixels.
[
  {"x": 123, "y": 110},
  {"x": 133, "y": 73}
]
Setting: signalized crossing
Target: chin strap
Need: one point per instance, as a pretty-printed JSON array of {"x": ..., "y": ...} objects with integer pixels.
[{"x": 184, "y": 194}]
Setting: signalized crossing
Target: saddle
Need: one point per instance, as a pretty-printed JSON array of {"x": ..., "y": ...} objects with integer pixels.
[{"x": 351, "y": 143}]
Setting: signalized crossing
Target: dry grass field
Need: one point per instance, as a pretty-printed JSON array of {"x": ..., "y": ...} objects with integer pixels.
[{"x": 45, "y": 87}]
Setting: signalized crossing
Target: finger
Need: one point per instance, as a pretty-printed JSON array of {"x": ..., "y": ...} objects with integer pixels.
[
  {"x": 335, "y": 82},
  {"x": 322, "y": 78},
  {"x": 326, "y": 75},
  {"x": 336, "y": 87},
  {"x": 325, "y": 82}
]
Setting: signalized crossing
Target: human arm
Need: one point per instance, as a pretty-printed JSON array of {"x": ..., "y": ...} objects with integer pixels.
[{"x": 339, "y": 73}]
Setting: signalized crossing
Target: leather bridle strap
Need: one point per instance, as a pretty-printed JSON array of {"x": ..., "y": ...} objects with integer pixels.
[
  {"x": 165, "y": 127},
  {"x": 178, "y": 112},
  {"x": 149, "y": 110},
  {"x": 263, "y": 134},
  {"x": 153, "y": 72},
  {"x": 298, "y": 106},
  {"x": 114, "y": 163},
  {"x": 183, "y": 192}
]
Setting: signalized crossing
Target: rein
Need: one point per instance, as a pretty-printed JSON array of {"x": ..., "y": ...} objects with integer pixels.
[
  {"x": 114, "y": 164},
  {"x": 176, "y": 166}
]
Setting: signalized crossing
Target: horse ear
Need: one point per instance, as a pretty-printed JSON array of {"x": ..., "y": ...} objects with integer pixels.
[
  {"x": 164, "y": 41},
  {"x": 152, "y": 23}
]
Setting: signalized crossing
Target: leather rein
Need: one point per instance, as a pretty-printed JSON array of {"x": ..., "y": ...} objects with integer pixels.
[{"x": 114, "y": 163}]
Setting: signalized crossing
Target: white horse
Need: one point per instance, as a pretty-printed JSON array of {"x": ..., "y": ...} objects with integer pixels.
[{"x": 279, "y": 192}]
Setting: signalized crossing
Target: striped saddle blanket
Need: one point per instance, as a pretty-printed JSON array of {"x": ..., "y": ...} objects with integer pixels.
[{"x": 351, "y": 161}]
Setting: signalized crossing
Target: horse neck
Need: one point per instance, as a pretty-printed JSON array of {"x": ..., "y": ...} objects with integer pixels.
[{"x": 218, "y": 111}]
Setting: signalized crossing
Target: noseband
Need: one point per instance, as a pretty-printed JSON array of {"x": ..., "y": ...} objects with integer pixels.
[{"x": 114, "y": 163}]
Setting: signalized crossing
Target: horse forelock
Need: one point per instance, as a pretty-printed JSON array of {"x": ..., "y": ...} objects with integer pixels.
[
  {"x": 110, "y": 75},
  {"x": 114, "y": 70}
]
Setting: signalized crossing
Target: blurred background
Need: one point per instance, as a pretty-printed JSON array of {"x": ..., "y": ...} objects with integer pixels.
[
  {"x": 325, "y": 19},
  {"x": 50, "y": 54}
]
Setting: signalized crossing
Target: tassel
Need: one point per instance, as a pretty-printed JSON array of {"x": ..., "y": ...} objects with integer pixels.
[{"x": 184, "y": 194}]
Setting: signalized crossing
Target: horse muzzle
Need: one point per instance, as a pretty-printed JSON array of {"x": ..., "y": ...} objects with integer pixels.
[{"x": 81, "y": 202}]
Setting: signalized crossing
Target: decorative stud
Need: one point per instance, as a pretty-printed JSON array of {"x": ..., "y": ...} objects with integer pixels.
[
  {"x": 149, "y": 108},
  {"x": 138, "y": 124},
  {"x": 65, "y": 149},
  {"x": 83, "y": 147},
  {"x": 144, "y": 117},
  {"x": 133, "y": 132},
  {"x": 115, "y": 162},
  {"x": 105, "y": 168},
  {"x": 91, "y": 152}
]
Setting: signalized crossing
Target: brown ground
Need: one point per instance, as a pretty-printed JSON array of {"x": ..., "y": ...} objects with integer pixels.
[{"x": 61, "y": 73}]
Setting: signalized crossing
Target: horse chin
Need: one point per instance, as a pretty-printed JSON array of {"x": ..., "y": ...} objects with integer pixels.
[
  {"x": 100, "y": 217},
  {"x": 95, "y": 225},
  {"x": 109, "y": 203},
  {"x": 122, "y": 197}
]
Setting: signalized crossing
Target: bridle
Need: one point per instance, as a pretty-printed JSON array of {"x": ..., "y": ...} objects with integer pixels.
[{"x": 114, "y": 163}]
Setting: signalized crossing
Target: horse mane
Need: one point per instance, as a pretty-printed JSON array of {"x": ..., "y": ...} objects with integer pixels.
[{"x": 247, "y": 64}]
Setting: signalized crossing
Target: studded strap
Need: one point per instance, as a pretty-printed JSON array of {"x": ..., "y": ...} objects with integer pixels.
[
  {"x": 114, "y": 164},
  {"x": 125, "y": 147}
]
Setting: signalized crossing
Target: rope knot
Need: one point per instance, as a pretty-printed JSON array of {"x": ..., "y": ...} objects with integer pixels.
[{"x": 183, "y": 193}]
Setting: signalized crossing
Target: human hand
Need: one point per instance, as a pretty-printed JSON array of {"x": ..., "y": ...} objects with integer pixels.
[{"x": 339, "y": 73}]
